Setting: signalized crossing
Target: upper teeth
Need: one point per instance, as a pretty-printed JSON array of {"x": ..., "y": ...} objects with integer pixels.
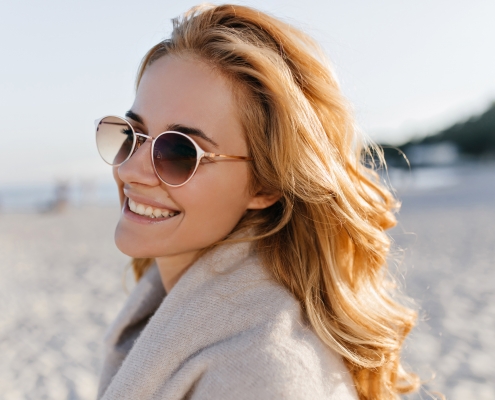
[{"x": 150, "y": 211}]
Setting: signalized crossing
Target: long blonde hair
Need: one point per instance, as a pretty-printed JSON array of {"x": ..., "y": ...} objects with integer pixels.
[{"x": 325, "y": 239}]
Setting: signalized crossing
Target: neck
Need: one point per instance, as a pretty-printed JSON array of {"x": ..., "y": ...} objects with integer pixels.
[{"x": 171, "y": 268}]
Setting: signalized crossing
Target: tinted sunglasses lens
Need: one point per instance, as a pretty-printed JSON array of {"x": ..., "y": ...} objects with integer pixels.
[
  {"x": 175, "y": 157},
  {"x": 114, "y": 139}
]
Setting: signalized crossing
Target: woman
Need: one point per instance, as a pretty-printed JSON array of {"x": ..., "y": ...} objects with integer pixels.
[{"x": 256, "y": 230}]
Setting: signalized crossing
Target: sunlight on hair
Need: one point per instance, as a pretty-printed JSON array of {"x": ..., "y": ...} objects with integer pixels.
[{"x": 325, "y": 239}]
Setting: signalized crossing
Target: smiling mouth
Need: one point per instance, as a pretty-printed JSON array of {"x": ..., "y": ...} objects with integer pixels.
[{"x": 150, "y": 212}]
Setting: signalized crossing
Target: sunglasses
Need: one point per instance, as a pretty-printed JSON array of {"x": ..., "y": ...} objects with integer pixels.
[{"x": 175, "y": 156}]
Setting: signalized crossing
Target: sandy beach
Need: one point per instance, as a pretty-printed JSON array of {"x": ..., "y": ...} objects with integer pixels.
[
  {"x": 448, "y": 237},
  {"x": 62, "y": 281}
]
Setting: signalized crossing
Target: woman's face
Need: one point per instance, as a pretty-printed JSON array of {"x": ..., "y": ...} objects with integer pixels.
[{"x": 184, "y": 92}]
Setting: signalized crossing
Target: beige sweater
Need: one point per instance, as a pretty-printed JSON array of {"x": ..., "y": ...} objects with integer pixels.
[{"x": 225, "y": 331}]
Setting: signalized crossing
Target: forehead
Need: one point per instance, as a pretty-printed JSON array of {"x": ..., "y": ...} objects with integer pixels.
[{"x": 186, "y": 91}]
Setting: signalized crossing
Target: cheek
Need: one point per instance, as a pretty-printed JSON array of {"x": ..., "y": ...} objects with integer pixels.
[
  {"x": 216, "y": 202},
  {"x": 212, "y": 203},
  {"x": 120, "y": 184}
]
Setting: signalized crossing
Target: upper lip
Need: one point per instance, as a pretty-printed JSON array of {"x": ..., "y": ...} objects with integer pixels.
[{"x": 147, "y": 201}]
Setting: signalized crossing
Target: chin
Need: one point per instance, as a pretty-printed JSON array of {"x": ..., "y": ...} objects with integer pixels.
[
  {"x": 131, "y": 245},
  {"x": 132, "y": 251}
]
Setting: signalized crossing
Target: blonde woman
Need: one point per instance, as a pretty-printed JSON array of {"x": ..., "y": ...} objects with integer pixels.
[{"x": 256, "y": 231}]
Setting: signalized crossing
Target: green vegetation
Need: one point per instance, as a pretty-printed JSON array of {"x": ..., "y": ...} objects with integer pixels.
[{"x": 474, "y": 138}]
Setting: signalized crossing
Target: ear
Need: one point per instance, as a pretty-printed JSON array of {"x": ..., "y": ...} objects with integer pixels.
[
  {"x": 120, "y": 184},
  {"x": 263, "y": 200}
]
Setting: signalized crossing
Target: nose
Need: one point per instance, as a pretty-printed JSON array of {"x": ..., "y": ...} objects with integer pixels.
[{"x": 139, "y": 167}]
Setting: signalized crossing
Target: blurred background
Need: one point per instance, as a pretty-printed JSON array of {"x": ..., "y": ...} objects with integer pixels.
[{"x": 421, "y": 78}]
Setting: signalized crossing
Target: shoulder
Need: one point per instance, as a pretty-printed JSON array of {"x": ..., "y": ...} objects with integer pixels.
[
  {"x": 274, "y": 363},
  {"x": 277, "y": 356},
  {"x": 228, "y": 331}
]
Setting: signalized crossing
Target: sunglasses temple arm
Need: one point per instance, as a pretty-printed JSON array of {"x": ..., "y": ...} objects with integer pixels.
[{"x": 214, "y": 155}]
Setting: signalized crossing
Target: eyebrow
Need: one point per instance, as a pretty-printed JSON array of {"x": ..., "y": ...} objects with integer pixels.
[
  {"x": 176, "y": 127},
  {"x": 132, "y": 115}
]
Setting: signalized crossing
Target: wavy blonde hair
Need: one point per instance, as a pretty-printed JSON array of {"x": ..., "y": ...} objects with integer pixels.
[{"x": 325, "y": 239}]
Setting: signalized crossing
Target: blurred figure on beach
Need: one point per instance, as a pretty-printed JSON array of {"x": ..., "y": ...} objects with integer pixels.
[{"x": 60, "y": 201}]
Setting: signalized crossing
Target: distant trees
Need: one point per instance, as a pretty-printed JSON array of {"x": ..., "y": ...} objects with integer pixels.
[{"x": 474, "y": 138}]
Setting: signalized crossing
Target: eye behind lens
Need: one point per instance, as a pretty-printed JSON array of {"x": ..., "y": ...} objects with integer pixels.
[
  {"x": 175, "y": 158},
  {"x": 114, "y": 139}
]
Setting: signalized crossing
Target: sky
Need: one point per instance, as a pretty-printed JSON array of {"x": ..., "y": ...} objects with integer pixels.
[{"x": 409, "y": 68}]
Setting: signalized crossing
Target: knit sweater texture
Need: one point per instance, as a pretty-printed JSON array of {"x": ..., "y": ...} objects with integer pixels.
[{"x": 226, "y": 330}]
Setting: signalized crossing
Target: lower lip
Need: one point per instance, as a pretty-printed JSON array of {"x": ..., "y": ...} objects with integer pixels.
[{"x": 141, "y": 219}]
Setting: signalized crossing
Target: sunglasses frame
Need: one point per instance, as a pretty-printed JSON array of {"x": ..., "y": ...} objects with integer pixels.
[{"x": 136, "y": 144}]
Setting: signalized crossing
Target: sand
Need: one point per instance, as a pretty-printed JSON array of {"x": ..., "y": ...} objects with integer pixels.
[
  {"x": 449, "y": 269},
  {"x": 61, "y": 284}
]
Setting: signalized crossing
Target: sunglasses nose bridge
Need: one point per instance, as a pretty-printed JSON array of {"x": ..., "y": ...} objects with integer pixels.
[
  {"x": 141, "y": 137},
  {"x": 139, "y": 166},
  {"x": 140, "y": 140}
]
